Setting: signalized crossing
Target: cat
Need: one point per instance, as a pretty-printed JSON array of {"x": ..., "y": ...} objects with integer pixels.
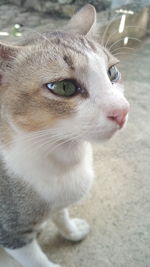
[{"x": 59, "y": 92}]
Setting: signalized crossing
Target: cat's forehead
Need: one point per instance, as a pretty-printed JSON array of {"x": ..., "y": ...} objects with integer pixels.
[
  {"x": 74, "y": 41},
  {"x": 69, "y": 47}
]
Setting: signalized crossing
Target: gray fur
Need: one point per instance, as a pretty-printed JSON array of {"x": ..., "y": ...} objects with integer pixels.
[{"x": 21, "y": 210}]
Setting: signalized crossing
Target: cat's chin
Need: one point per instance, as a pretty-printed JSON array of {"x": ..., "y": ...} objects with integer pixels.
[
  {"x": 99, "y": 137},
  {"x": 103, "y": 136}
]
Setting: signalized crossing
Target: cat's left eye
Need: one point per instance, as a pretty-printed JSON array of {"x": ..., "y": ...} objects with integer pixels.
[
  {"x": 114, "y": 74},
  {"x": 64, "y": 88}
]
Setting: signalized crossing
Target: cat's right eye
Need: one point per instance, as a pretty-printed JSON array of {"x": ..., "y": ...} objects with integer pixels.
[
  {"x": 64, "y": 88},
  {"x": 114, "y": 74}
]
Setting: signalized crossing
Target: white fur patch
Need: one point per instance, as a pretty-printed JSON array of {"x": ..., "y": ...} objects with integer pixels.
[{"x": 57, "y": 178}]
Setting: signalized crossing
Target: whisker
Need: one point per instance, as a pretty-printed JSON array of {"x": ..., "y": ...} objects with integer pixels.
[
  {"x": 107, "y": 28},
  {"x": 60, "y": 144},
  {"x": 46, "y": 132},
  {"x": 132, "y": 38},
  {"x": 115, "y": 32},
  {"x": 40, "y": 142},
  {"x": 121, "y": 53},
  {"x": 34, "y": 140},
  {"x": 122, "y": 47},
  {"x": 49, "y": 141},
  {"x": 140, "y": 28},
  {"x": 38, "y": 137},
  {"x": 52, "y": 147},
  {"x": 54, "y": 141},
  {"x": 109, "y": 38}
]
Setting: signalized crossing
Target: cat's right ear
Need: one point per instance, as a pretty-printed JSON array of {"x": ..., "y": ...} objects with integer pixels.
[{"x": 83, "y": 22}]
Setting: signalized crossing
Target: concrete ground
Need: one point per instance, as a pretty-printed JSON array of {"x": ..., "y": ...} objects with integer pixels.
[{"x": 118, "y": 207}]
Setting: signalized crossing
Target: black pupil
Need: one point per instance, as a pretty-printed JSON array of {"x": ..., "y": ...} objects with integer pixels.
[{"x": 64, "y": 87}]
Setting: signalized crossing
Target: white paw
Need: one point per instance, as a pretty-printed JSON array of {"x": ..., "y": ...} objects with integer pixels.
[{"x": 78, "y": 230}]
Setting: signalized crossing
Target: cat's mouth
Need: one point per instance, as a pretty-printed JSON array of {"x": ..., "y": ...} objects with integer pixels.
[
  {"x": 102, "y": 135},
  {"x": 108, "y": 131}
]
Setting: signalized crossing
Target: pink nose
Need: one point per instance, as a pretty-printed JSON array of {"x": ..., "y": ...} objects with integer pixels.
[{"x": 119, "y": 116}]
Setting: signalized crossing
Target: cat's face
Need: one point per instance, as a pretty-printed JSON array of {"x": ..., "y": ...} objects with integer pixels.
[{"x": 92, "y": 107}]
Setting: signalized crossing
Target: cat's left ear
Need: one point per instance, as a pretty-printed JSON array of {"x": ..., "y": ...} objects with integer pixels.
[
  {"x": 8, "y": 52},
  {"x": 84, "y": 21}
]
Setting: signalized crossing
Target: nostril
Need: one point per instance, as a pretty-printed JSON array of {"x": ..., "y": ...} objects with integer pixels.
[
  {"x": 119, "y": 117},
  {"x": 113, "y": 118},
  {"x": 116, "y": 119}
]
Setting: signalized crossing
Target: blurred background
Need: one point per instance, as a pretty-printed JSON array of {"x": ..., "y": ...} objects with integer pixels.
[
  {"x": 118, "y": 207},
  {"x": 126, "y": 18}
]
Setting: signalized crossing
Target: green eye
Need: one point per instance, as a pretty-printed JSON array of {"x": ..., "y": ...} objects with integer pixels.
[
  {"x": 114, "y": 74},
  {"x": 63, "y": 88}
]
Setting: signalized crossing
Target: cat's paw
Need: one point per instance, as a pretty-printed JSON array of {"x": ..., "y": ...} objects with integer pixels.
[{"x": 77, "y": 231}]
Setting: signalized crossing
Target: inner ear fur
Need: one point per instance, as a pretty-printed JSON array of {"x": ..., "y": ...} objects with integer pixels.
[{"x": 83, "y": 22}]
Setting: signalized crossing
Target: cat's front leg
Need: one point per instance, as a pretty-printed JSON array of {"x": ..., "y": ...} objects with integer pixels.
[
  {"x": 73, "y": 229},
  {"x": 31, "y": 255}
]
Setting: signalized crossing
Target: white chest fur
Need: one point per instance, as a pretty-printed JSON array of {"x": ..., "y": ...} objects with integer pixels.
[{"x": 61, "y": 178}]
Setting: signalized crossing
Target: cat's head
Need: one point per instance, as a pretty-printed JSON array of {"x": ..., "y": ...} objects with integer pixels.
[{"x": 63, "y": 83}]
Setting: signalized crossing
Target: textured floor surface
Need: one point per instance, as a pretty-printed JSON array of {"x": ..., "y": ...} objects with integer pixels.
[{"x": 118, "y": 207}]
